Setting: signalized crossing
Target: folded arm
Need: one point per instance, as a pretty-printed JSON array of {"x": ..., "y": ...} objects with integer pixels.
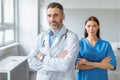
[
  {"x": 62, "y": 62},
  {"x": 104, "y": 64}
]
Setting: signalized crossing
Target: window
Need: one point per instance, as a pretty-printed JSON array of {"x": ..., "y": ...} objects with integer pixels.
[
  {"x": 8, "y": 20},
  {"x": 1, "y": 37},
  {"x": 0, "y": 11},
  {"x": 8, "y": 8}
]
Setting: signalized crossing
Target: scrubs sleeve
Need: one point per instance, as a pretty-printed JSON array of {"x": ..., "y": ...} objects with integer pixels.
[
  {"x": 66, "y": 63},
  {"x": 111, "y": 54},
  {"x": 78, "y": 57},
  {"x": 32, "y": 61}
]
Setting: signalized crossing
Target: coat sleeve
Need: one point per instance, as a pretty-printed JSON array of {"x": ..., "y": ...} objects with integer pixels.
[
  {"x": 66, "y": 63},
  {"x": 32, "y": 61}
]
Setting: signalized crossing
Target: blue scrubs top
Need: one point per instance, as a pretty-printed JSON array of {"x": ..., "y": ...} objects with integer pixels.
[{"x": 100, "y": 50}]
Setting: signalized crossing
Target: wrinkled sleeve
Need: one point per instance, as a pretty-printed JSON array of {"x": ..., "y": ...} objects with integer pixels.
[
  {"x": 111, "y": 54},
  {"x": 32, "y": 61},
  {"x": 66, "y": 63}
]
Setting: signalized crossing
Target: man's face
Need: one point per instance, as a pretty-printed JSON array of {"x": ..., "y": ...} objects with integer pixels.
[{"x": 55, "y": 18}]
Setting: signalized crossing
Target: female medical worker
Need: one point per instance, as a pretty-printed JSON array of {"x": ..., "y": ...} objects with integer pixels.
[
  {"x": 55, "y": 51},
  {"x": 96, "y": 55}
]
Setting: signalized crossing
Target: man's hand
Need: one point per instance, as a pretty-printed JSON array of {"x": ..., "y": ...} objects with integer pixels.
[
  {"x": 62, "y": 55},
  {"x": 39, "y": 56}
]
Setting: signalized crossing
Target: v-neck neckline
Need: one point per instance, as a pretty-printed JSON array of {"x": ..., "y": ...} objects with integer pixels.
[{"x": 90, "y": 43}]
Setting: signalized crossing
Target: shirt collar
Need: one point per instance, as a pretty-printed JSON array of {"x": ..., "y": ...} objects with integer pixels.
[{"x": 55, "y": 34}]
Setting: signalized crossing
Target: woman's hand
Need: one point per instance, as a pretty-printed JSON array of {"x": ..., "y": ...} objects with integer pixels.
[{"x": 106, "y": 60}]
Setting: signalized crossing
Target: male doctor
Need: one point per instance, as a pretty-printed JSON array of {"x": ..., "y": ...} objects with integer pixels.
[{"x": 54, "y": 52}]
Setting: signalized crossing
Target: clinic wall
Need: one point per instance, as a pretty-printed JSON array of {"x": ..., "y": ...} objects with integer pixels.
[
  {"x": 82, "y": 4},
  {"x": 28, "y": 24},
  {"x": 109, "y": 22},
  {"x": 75, "y": 19}
]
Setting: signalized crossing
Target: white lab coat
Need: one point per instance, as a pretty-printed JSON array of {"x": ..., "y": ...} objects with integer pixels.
[{"x": 52, "y": 67}]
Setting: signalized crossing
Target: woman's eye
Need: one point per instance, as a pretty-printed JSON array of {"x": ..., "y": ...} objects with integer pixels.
[{"x": 94, "y": 25}]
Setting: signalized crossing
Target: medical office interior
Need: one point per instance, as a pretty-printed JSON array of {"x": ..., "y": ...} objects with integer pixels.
[{"x": 22, "y": 20}]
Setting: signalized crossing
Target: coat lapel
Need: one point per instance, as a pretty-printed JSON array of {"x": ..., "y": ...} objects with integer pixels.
[
  {"x": 46, "y": 47},
  {"x": 58, "y": 38}
]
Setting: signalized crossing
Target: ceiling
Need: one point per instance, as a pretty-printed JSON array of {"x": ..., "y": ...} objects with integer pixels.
[{"x": 76, "y": 4}]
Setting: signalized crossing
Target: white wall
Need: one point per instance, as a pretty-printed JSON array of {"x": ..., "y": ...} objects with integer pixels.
[
  {"x": 28, "y": 24},
  {"x": 109, "y": 22},
  {"x": 82, "y": 4}
]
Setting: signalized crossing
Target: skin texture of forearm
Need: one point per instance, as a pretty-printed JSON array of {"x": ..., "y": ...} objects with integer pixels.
[
  {"x": 103, "y": 65},
  {"x": 84, "y": 64},
  {"x": 84, "y": 67},
  {"x": 95, "y": 65}
]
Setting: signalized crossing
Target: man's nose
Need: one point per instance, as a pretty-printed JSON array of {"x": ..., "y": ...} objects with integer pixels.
[{"x": 52, "y": 18}]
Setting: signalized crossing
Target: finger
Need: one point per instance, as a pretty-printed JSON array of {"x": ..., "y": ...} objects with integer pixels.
[
  {"x": 108, "y": 58},
  {"x": 65, "y": 51},
  {"x": 38, "y": 56},
  {"x": 62, "y": 55}
]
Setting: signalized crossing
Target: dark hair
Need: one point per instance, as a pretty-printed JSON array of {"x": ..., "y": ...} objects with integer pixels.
[
  {"x": 55, "y": 5},
  {"x": 92, "y": 18}
]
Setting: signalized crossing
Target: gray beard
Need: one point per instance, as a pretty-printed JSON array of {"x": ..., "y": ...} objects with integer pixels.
[{"x": 53, "y": 28}]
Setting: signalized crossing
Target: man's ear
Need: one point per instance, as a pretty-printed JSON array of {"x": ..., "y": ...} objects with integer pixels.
[{"x": 63, "y": 17}]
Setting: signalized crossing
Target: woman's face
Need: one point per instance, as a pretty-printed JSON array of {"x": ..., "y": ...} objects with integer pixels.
[{"x": 91, "y": 28}]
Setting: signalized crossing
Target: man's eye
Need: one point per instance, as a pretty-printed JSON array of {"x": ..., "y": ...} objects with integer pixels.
[
  {"x": 88, "y": 26},
  {"x": 56, "y": 15},
  {"x": 48, "y": 15}
]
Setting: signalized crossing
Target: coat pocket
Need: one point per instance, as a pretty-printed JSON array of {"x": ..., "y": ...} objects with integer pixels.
[{"x": 42, "y": 76}]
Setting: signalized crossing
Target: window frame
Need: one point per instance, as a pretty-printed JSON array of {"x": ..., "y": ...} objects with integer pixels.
[{"x": 6, "y": 26}]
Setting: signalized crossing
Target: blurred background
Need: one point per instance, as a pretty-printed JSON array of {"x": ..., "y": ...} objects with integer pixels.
[{"x": 22, "y": 20}]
